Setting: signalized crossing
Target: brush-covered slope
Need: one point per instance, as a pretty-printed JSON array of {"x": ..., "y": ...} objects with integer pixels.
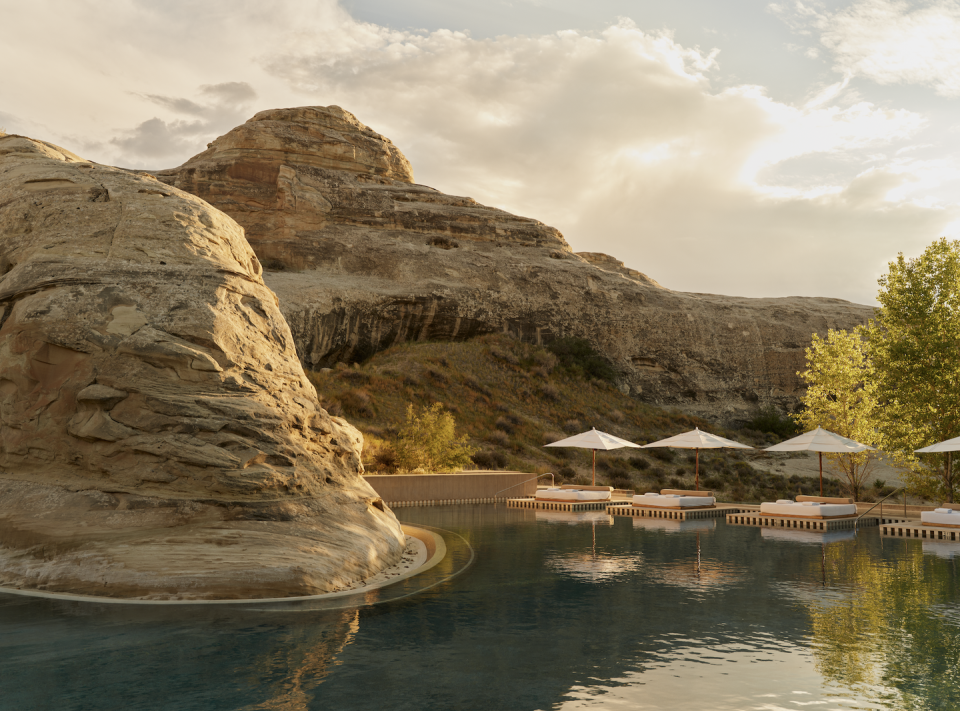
[{"x": 158, "y": 435}]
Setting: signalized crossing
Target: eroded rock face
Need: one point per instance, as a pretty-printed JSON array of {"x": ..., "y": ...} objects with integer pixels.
[
  {"x": 158, "y": 436},
  {"x": 362, "y": 258}
]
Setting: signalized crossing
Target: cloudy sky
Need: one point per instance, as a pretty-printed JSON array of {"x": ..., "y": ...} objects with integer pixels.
[{"x": 735, "y": 147}]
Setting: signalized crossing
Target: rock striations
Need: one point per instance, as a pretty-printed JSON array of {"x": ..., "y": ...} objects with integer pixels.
[
  {"x": 361, "y": 258},
  {"x": 158, "y": 437}
]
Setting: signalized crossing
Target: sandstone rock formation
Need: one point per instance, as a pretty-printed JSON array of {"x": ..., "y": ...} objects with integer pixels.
[
  {"x": 361, "y": 258},
  {"x": 158, "y": 437}
]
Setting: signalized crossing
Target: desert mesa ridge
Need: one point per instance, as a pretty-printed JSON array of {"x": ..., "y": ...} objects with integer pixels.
[{"x": 362, "y": 257}]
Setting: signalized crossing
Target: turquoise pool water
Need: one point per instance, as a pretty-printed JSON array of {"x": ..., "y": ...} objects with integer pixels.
[{"x": 551, "y": 614}]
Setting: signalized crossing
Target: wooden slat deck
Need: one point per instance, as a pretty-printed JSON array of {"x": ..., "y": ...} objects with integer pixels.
[
  {"x": 915, "y": 529},
  {"x": 674, "y": 514},
  {"x": 755, "y": 518},
  {"x": 558, "y": 505}
]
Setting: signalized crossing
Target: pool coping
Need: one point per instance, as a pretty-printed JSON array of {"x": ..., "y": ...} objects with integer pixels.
[{"x": 436, "y": 550}]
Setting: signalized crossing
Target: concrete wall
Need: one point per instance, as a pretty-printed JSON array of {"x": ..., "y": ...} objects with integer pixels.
[{"x": 465, "y": 487}]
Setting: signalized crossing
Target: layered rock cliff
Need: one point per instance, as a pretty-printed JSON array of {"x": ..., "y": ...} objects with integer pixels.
[
  {"x": 362, "y": 258},
  {"x": 158, "y": 436}
]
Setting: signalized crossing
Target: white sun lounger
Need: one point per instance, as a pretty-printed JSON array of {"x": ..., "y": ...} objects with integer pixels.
[
  {"x": 569, "y": 493},
  {"x": 811, "y": 507},
  {"x": 676, "y": 499},
  {"x": 946, "y": 515}
]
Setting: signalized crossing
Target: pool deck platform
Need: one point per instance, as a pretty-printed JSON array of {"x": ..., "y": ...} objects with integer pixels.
[
  {"x": 755, "y": 518},
  {"x": 915, "y": 529},
  {"x": 531, "y": 503},
  {"x": 678, "y": 514}
]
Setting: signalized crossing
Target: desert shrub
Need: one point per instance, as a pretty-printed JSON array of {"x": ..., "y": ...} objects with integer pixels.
[
  {"x": 675, "y": 483},
  {"x": 549, "y": 391},
  {"x": 505, "y": 356},
  {"x": 770, "y": 419},
  {"x": 572, "y": 426},
  {"x": 443, "y": 243},
  {"x": 504, "y": 425},
  {"x": 664, "y": 454},
  {"x": 658, "y": 475},
  {"x": 577, "y": 357},
  {"x": 428, "y": 441},
  {"x": 378, "y": 455},
  {"x": 498, "y": 438},
  {"x": 620, "y": 479},
  {"x": 711, "y": 482},
  {"x": 567, "y": 472},
  {"x": 357, "y": 403},
  {"x": 489, "y": 460},
  {"x": 639, "y": 463}
]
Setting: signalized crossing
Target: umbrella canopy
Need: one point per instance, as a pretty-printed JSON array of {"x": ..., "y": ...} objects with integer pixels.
[
  {"x": 695, "y": 439},
  {"x": 820, "y": 440},
  {"x": 594, "y": 439},
  {"x": 948, "y": 446}
]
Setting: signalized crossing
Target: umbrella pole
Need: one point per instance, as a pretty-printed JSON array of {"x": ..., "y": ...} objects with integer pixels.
[
  {"x": 821, "y": 472},
  {"x": 594, "y": 467},
  {"x": 697, "y": 470}
]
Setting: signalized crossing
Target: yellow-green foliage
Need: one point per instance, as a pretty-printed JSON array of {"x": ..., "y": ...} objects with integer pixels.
[
  {"x": 428, "y": 442},
  {"x": 508, "y": 398},
  {"x": 841, "y": 397},
  {"x": 915, "y": 348}
]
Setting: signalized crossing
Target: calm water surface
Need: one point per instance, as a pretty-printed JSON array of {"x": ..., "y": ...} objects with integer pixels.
[{"x": 552, "y": 614}]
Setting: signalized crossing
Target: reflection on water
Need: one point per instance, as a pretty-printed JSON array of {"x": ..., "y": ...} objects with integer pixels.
[
  {"x": 547, "y": 617},
  {"x": 575, "y": 517}
]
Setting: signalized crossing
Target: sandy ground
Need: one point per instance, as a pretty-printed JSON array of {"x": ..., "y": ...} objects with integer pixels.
[{"x": 806, "y": 464}]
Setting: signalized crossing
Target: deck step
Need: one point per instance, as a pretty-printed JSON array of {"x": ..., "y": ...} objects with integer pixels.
[
  {"x": 915, "y": 529},
  {"x": 674, "y": 514},
  {"x": 557, "y": 505}
]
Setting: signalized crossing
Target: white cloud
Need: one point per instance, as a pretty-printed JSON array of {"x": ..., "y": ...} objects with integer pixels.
[
  {"x": 894, "y": 41},
  {"x": 617, "y": 137},
  {"x": 159, "y": 142}
]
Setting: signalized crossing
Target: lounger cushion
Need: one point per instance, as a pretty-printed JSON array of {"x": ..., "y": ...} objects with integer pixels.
[
  {"x": 672, "y": 501},
  {"x": 807, "y": 509},
  {"x": 572, "y": 495},
  {"x": 941, "y": 517}
]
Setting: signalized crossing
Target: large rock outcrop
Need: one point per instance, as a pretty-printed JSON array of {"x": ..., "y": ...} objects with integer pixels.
[
  {"x": 158, "y": 436},
  {"x": 361, "y": 258}
]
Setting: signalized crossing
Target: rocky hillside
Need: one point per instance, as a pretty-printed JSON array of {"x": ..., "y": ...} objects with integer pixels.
[
  {"x": 362, "y": 258},
  {"x": 158, "y": 435}
]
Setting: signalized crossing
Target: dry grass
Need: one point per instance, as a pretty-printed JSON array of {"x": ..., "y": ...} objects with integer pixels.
[{"x": 510, "y": 399}]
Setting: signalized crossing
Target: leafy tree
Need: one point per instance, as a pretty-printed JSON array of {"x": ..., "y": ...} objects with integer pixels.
[
  {"x": 841, "y": 397},
  {"x": 428, "y": 442},
  {"x": 915, "y": 349}
]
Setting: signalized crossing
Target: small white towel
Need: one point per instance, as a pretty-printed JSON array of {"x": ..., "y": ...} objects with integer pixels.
[
  {"x": 946, "y": 511},
  {"x": 784, "y": 501}
]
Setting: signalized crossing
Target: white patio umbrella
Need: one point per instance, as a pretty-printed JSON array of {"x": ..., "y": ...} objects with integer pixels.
[
  {"x": 820, "y": 440},
  {"x": 594, "y": 439},
  {"x": 697, "y": 440},
  {"x": 949, "y": 446}
]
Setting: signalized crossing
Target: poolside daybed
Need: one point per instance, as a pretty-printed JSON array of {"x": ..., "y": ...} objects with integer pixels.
[
  {"x": 811, "y": 507},
  {"x": 676, "y": 499},
  {"x": 570, "y": 492},
  {"x": 948, "y": 515}
]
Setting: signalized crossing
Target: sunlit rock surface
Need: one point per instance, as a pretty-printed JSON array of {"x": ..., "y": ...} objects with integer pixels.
[
  {"x": 158, "y": 437},
  {"x": 361, "y": 258}
]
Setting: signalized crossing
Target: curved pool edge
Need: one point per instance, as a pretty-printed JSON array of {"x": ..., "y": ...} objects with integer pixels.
[{"x": 430, "y": 537}]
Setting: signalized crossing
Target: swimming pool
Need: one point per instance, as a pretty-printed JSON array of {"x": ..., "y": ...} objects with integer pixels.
[{"x": 552, "y": 613}]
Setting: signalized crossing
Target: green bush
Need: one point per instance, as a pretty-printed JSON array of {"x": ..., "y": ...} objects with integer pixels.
[
  {"x": 770, "y": 419},
  {"x": 428, "y": 442},
  {"x": 577, "y": 357}
]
